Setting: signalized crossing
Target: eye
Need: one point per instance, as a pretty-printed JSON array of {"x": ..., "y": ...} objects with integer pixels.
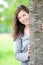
[
  {"x": 19, "y": 17},
  {"x": 23, "y": 14}
]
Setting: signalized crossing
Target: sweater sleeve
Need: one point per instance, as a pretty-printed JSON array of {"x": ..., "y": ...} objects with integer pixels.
[{"x": 19, "y": 55}]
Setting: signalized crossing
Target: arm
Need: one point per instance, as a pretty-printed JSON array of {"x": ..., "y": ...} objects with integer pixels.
[{"x": 19, "y": 55}]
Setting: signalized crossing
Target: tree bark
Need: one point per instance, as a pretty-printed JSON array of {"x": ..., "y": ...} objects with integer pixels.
[{"x": 36, "y": 32}]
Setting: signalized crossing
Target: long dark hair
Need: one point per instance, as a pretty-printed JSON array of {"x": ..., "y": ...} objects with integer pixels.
[{"x": 18, "y": 28}]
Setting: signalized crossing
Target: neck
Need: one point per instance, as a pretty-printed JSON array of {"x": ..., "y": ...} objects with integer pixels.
[
  {"x": 27, "y": 29},
  {"x": 27, "y": 26}
]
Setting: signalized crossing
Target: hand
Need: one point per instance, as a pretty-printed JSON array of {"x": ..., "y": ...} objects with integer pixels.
[
  {"x": 29, "y": 50},
  {"x": 42, "y": 26}
]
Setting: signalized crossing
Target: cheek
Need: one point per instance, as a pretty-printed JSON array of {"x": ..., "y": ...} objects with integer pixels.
[
  {"x": 20, "y": 21},
  {"x": 27, "y": 16}
]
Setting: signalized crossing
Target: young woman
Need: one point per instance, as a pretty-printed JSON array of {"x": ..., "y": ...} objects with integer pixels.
[{"x": 21, "y": 35}]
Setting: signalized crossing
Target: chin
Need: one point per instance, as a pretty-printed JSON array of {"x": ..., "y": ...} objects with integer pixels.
[{"x": 26, "y": 23}]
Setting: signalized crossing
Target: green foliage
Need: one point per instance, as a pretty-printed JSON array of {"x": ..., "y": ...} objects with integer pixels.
[
  {"x": 7, "y": 51},
  {"x": 26, "y": 2},
  {"x": 8, "y": 14}
]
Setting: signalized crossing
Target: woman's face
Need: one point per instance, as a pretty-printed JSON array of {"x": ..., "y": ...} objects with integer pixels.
[{"x": 23, "y": 17}]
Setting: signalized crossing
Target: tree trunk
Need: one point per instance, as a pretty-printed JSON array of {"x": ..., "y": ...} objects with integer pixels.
[{"x": 36, "y": 32}]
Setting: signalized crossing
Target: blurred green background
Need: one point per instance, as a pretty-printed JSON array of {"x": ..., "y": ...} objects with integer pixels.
[{"x": 7, "y": 9}]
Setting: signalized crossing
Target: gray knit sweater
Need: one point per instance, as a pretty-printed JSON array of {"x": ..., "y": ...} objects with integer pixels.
[{"x": 21, "y": 49}]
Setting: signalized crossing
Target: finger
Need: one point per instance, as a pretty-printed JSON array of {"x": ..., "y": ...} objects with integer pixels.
[
  {"x": 28, "y": 46},
  {"x": 28, "y": 49}
]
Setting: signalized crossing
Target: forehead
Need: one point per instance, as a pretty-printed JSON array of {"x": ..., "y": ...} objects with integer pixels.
[{"x": 21, "y": 12}]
